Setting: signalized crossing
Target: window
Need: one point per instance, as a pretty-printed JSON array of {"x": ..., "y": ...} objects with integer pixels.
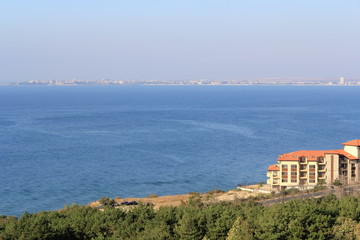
[
  {"x": 312, "y": 181},
  {"x": 284, "y": 173},
  {"x": 293, "y": 180}
]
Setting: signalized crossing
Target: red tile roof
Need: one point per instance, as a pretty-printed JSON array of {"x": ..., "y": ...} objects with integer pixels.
[
  {"x": 342, "y": 152},
  {"x": 309, "y": 154},
  {"x": 312, "y": 155},
  {"x": 355, "y": 142},
  {"x": 274, "y": 167}
]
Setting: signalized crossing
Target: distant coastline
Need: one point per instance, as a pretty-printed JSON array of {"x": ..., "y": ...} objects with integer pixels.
[{"x": 203, "y": 82}]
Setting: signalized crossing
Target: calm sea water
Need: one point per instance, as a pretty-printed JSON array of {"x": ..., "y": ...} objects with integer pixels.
[{"x": 60, "y": 145}]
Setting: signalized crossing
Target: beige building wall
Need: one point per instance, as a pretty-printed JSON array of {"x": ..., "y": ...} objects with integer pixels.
[
  {"x": 292, "y": 180},
  {"x": 274, "y": 178},
  {"x": 312, "y": 176},
  {"x": 353, "y": 150},
  {"x": 332, "y": 168}
]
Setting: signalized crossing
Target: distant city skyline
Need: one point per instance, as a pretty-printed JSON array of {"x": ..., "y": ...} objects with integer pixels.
[
  {"x": 179, "y": 40},
  {"x": 83, "y": 82}
]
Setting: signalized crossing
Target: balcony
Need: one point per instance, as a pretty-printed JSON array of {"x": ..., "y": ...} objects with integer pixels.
[
  {"x": 302, "y": 160},
  {"x": 342, "y": 160},
  {"x": 322, "y": 169},
  {"x": 303, "y": 168}
]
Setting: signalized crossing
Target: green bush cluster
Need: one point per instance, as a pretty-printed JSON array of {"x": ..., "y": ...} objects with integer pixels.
[
  {"x": 323, "y": 218},
  {"x": 107, "y": 202}
]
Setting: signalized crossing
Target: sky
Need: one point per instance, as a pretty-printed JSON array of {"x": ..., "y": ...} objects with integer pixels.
[{"x": 179, "y": 39}]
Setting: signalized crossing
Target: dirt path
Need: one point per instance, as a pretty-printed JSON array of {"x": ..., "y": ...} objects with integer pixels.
[{"x": 177, "y": 200}]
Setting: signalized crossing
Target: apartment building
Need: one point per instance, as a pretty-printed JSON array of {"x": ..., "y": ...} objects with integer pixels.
[{"x": 306, "y": 168}]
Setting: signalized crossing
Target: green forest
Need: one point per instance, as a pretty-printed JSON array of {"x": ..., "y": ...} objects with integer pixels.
[{"x": 322, "y": 218}]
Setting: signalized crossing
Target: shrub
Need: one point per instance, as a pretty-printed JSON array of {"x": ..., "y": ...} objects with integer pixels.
[
  {"x": 194, "y": 193},
  {"x": 107, "y": 202},
  {"x": 292, "y": 191},
  {"x": 152, "y": 195},
  {"x": 195, "y": 200},
  {"x": 337, "y": 183},
  {"x": 214, "y": 191}
]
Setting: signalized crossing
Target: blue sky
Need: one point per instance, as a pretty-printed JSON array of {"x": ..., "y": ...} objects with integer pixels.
[{"x": 138, "y": 39}]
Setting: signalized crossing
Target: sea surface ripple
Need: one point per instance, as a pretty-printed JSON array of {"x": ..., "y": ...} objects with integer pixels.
[{"x": 63, "y": 145}]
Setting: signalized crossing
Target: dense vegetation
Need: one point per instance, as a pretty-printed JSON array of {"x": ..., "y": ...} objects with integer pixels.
[{"x": 326, "y": 218}]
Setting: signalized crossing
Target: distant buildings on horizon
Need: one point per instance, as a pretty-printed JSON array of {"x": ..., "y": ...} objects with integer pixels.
[
  {"x": 77, "y": 82},
  {"x": 342, "y": 81}
]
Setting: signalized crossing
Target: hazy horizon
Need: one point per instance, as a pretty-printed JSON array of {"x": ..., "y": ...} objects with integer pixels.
[{"x": 165, "y": 40}]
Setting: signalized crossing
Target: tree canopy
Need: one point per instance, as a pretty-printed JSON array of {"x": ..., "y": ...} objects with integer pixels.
[{"x": 324, "y": 218}]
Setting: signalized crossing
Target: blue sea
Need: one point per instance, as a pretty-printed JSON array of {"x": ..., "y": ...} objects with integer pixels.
[{"x": 72, "y": 144}]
